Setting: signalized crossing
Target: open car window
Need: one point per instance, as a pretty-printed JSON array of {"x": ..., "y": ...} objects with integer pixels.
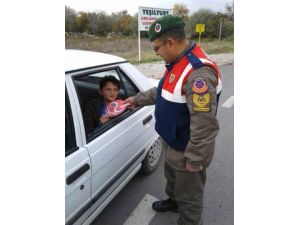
[{"x": 87, "y": 88}]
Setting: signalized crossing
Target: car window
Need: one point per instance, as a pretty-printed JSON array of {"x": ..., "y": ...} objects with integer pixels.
[
  {"x": 129, "y": 88},
  {"x": 87, "y": 88},
  {"x": 70, "y": 142}
]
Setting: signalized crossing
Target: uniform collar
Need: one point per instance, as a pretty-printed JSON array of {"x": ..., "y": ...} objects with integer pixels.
[{"x": 190, "y": 47}]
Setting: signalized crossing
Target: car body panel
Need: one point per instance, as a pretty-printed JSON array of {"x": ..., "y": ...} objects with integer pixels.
[
  {"x": 108, "y": 157},
  {"x": 117, "y": 153},
  {"x": 141, "y": 81},
  {"x": 77, "y": 197},
  {"x": 79, "y": 59}
]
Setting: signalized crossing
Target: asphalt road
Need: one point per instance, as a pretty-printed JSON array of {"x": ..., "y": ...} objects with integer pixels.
[{"x": 219, "y": 189}]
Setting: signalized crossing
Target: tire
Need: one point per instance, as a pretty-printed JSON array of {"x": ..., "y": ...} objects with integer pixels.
[{"x": 153, "y": 158}]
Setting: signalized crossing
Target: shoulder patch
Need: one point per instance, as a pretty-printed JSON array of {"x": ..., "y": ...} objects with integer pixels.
[
  {"x": 202, "y": 103},
  {"x": 199, "y": 86},
  {"x": 172, "y": 78}
]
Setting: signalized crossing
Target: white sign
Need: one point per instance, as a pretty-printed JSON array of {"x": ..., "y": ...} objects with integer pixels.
[{"x": 147, "y": 16}]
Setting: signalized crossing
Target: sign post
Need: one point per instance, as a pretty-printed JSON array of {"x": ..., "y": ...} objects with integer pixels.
[
  {"x": 146, "y": 16},
  {"x": 200, "y": 27}
]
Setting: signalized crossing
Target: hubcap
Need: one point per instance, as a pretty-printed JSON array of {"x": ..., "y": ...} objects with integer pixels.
[{"x": 154, "y": 153}]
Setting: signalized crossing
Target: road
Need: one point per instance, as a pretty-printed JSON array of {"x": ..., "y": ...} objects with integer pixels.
[{"x": 132, "y": 205}]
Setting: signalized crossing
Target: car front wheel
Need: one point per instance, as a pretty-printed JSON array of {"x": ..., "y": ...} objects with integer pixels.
[{"x": 152, "y": 159}]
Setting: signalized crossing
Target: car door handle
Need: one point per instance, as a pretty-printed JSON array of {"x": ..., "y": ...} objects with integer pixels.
[
  {"x": 147, "y": 119},
  {"x": 70, "y": 179}
]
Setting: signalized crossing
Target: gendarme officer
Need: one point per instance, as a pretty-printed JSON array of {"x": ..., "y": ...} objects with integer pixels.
[{"x": 186, "y": 102}]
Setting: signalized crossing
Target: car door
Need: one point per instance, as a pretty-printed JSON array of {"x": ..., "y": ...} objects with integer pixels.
[
  {"x": 116, "y": 148},
  {"x": 77, "y": 168}
]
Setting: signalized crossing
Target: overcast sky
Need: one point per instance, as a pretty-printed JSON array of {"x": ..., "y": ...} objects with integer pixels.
[{"x": 131, "y": 6}]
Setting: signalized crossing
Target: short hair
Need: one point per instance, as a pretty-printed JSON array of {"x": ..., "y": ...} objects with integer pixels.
[
  {"x": 109, "y": 78},
  {"x": 176, "y": 34}
]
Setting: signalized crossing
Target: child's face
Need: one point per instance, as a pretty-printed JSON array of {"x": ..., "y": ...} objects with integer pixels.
[{"x": 110, "y": 92}]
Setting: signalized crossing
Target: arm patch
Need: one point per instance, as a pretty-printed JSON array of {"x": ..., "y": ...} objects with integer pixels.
[
  {"x": 199, "y": 86},
  {"x": 202, "y": 102}
]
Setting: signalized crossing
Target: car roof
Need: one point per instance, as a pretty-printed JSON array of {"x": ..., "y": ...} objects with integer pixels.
[{"x": 80, "y": 59}]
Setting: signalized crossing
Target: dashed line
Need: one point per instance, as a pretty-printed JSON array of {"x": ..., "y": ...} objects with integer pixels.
[
  {"x": 228, "y": 103},
  {"x": 143, "y": 213}
]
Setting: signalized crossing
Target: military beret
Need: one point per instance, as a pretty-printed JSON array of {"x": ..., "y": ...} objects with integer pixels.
[{"x": 163, "y": 24}]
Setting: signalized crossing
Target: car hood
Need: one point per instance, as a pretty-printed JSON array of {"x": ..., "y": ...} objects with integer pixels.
[{"x": 154, "y": 81}]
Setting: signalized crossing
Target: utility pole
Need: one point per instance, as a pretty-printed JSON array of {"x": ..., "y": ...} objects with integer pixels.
[{"x": 220, "y": 32}]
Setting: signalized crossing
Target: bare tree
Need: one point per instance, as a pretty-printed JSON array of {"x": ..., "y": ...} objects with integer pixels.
[
  {"x": 181, "y": 10},
  {"x": 70, "y": 19},
  {"x": 229, "y": 10},
  {"x": 82, "y": 22},
  {"x": 93, "y": 19}
]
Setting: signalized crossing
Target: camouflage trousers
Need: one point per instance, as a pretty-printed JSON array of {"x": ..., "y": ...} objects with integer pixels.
[{"x": 184, "y": 187}]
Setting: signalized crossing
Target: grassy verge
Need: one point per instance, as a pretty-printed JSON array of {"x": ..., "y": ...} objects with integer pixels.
[
  {"x": 127, "y": 47},
  {"x": 214, "y": 46}
]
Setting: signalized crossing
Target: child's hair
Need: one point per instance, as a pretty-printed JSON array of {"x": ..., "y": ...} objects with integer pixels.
[{"x": 108, "y": 78}]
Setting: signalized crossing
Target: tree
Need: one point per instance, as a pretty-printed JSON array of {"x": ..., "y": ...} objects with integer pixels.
[
  {"x": 181, "y": 10},
  {"x": 205, "y": 16},
  {"x": 226, "y": 19},
  {"x": 132, "y": 26},
  {"x": 93, "y": 19},
  {"x": 229, "y": 10},
  {"x": 82, "y": 22},
  {"x": 124, "y": 23},
  {"x": 104, "y": 24},
  {"x": 212, "y": 21},
  {"x": 70, "y": 19}
]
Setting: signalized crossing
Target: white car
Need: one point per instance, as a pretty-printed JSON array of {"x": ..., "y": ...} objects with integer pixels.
[{"x": 99, "y": 164}]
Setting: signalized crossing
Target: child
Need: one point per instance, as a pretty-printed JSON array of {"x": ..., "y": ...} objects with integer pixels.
[{"x": 96, "y": 110}]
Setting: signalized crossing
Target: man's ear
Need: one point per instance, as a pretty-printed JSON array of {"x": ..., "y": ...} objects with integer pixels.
[
  {"x": 100, "y": 92},
  {"x": 171, "y": 42}
]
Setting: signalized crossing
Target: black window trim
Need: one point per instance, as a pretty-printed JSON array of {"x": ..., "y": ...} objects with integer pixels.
[
  {"x": 95, "y": 67},
  {"x": 122, "y": 72},
  {"x": 71, "y": 121},
  {"x": 115, "y": 67},
  {"x": 97, "y": 132},
  {"x": 126, "y": 114}
]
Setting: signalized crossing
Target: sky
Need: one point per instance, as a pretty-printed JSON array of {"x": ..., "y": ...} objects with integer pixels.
[{"x": 131, "y": 6}]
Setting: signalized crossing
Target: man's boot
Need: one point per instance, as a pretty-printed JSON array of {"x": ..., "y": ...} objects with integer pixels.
[{"x": 165, "y": 205}]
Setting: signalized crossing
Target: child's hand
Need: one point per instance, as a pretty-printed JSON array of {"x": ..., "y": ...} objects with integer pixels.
[{"x": 104, "y": 118}]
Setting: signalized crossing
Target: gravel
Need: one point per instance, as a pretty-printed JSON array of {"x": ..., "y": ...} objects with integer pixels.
[{"x": 155, "y": 70}]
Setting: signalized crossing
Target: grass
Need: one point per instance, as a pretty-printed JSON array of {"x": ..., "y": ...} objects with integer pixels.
[
  {"x": 127, "y": 47},
  {"x": 214, "y": 46}
]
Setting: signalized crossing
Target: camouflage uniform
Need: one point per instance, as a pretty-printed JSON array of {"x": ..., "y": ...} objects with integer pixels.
[
  {"x": 185, "y": 187},
  {"x": 186, "y": 105}
]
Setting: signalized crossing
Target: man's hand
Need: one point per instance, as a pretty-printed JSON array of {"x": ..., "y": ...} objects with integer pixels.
[
  {"x": 129, "y": 103},
  {"x": 192, "y": 168}
]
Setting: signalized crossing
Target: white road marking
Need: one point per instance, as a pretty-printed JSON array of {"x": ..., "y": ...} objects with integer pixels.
[
  {"x": 228, "y": 103},
  {"x": 143, "y": 213}
]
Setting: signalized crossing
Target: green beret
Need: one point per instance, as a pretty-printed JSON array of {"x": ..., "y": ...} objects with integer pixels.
[{"x": 163, "y": 24}]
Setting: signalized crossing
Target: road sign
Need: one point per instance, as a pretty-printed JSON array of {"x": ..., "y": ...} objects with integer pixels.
[
  {"x": 200, "y": 27},
  {"x": 146, "y": 16}
]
